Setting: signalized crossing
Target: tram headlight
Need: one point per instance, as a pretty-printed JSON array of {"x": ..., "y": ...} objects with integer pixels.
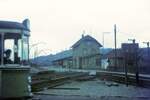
[
  {"x": 29, "y": 88},
  {"x": 29, "y": 79}
]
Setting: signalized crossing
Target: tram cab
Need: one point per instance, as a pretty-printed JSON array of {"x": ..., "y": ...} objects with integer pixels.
[{"x": 14, "y": 59}]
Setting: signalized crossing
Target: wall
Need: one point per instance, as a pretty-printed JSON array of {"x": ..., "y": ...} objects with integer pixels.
[{"x": 85, "y": 55}]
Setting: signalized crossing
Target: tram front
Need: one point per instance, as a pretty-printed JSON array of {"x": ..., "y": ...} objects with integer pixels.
[{"x": 14, "y": 59}]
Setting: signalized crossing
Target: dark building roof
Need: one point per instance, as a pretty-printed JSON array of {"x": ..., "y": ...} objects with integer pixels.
[
  {"x": 86, "y": 38},
  {"x": 47, "y": 60},
  {"x": 130, "y": 47},
  {"x": 12, "y": 25},
  {"x": 63, "y": 55},
  {"x": 111, "y": 54}
]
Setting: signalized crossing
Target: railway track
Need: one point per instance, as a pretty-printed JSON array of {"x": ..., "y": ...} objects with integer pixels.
[{"x": 45, "y": 80}]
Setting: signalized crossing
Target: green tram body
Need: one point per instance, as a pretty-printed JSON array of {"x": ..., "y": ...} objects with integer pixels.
[{"x": 14, "y": 69}]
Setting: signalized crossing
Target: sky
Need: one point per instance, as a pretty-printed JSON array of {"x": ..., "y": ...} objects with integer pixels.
[{"x": 57, "y": 24}]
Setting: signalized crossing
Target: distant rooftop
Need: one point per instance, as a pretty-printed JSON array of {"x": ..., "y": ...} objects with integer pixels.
[
  {"x": 86, "y": 38},
  {"x": 63, "y": 55}
]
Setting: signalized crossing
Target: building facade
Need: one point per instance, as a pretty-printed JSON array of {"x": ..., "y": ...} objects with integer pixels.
[
  {"x": 131, "y": 56},
  {"x": 127, "y": 56},
  {"x": 86, "y": 53},
  {"x": 119, "y": 60},
  {"x": 63, "y": 59}
]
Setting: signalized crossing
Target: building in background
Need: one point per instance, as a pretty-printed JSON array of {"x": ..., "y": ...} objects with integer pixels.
[
  {"x": 103, "y": 58},
  {"x": 86, "y": 53},
  {"x": 111, "y": 60},
  {"x": 127, "y": 56},
  {"x": 131, "y": 56},
  {"x": 63, "y": 59}
]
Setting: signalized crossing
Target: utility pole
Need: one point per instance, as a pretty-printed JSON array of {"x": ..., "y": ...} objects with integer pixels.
[{"x": 115, "y": 40}]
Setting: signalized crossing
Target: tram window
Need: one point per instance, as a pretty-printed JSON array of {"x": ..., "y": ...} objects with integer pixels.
[
  {"x": 19, "y": 48},
  {"x": 0, "y": 49},
  {"x": 15, "y": 51},
  {"x": 25, "y": 50},
  {"x": 8, "y": 53}
]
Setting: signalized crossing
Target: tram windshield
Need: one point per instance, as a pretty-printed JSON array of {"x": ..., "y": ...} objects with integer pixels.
[{"x": 14, "y": 48}]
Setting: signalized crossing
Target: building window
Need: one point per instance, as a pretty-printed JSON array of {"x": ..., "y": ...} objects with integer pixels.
[
  {"x": 84, "y": 51},
  {"x": 93, "y": 51},
  {"x": 98, "y": 62},
  {"x": 87, "y": 61},
  {"x": 84, "y": 61},
  {"x": 75, "y": 62},
  {"x": 25, "y": 50}
]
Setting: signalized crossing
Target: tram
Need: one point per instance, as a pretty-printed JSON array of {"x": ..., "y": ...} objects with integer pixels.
[{"x": 14, "y": 59}]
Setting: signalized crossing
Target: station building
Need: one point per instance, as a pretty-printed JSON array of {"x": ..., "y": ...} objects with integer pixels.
[{"x": 84, "y": 54}]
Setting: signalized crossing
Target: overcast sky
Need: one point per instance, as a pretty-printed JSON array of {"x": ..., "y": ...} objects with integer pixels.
[{"x": 58, "y": 24}]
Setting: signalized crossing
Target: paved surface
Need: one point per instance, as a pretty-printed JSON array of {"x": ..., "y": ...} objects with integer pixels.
[
  {"x": 95, "y": 90},
  {"x": 49, "y": 97}
]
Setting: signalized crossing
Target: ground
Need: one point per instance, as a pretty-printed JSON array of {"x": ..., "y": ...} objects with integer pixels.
[
  {"x": 94, "y": 90},
  {"x": 50, "y": 97}
]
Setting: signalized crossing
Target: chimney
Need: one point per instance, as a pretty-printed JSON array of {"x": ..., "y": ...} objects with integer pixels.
[
  {"x": 82, "y": 35},
  {"x": 133, "y": 41}
]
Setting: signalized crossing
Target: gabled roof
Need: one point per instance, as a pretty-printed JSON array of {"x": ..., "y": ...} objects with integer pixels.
[
  {"x": 86, "y": 38},
  {"x": 12, "y": 25}
]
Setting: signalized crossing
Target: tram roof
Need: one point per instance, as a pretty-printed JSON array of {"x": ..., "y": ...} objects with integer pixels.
[{"x": 12, "y": 25}]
